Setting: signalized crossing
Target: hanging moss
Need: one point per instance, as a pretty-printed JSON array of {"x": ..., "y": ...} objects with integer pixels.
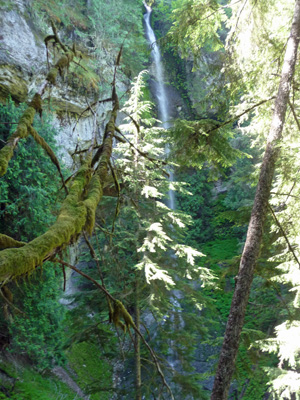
[
  {"x": 95, "y": 192},
  {"x": 36, "y": 103},
  {"x": 7, "y": 242},
  {"x": 52, "y": 74},
  {"x": 119, "y": 311},
  {"x": 21, "y": 132},
  {"x": 6, "y": 154},
  {"x": 61, "y": 64}
]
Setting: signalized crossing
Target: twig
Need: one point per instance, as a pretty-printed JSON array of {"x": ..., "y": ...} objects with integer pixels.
[
  {"x": 294, "y": 113},
  {"x": 65, "y": 278},
  {"x": 94, "y": 256},
  {"x": 75, "y": 62},
  {"x": 284, "y": 234},
  {"x": 92, "y": 105},
  {"x": 11, "y": 304},
  {"x": 238, "y": 18},
  {"x": 285, "y": 194},
  {"x": 142, "y": 153},
  {"x": 85, "y": 276},
  {"x": 241, "y": 114},
  {"x": 117, "y": 186},
  {"x": 42, "y": 142},
  {"x": 93, "y": 140}
]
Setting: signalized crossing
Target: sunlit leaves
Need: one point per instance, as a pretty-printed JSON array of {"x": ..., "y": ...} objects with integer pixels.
[
  {"x": 155, "y": 239},
  {"x": 196, "y": 25},
  {"x": 154, "y": 272},
  {"x": 150, "y": 191},
  {"x": 188, "y": 252}
]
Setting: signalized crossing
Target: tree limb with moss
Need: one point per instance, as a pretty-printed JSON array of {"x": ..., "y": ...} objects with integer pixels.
[{"x": 78, "y": 210}]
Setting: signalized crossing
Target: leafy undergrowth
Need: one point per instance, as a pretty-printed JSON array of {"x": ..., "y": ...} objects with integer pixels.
[
  {"x": 93, "y": 373},
  {"x": 23, "y": 383}
]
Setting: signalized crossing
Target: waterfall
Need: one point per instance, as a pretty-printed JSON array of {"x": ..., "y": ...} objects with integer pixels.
[{"x": 160, "y": 90}]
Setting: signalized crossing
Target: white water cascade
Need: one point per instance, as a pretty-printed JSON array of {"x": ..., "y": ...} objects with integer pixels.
[{"x": 160, "y": 90}]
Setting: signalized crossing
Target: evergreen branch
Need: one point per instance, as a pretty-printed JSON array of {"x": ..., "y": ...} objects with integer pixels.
[
  {"x": 285, "y": 305},
  {"x": 284, "y": 234},
  {"x": 238, "y": 18},
  {"x": 155, "y": 161},
  {"x": 229, "y": 121},
  {"x": 133, "y": 120},
  {"x": 216, "y": 11}
]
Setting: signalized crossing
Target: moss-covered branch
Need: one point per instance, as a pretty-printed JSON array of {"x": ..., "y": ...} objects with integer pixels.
[
  {"x": 7, "y": 242},
  {"x": 21, "y": 132},
  {"x": 77, "y": 214}
]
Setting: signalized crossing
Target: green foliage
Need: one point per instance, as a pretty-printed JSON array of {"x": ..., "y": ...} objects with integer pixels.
[
  {"x": 198, "y": 205},
  {"x": 30, "y": 184},
  {"x": 28, "y": 188},
  {"x": 25, "y": 383},
  {"x": 203, "y": 141},
  {"x": 93, "y": 372},
  {"x": 188, "y": 31},
  {"x": 38, "y": 333}
]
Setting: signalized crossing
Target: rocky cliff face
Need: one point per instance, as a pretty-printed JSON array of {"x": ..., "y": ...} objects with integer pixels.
[
  {"x": 23, "y": 66},
  {"x": 22, "y": 56}
]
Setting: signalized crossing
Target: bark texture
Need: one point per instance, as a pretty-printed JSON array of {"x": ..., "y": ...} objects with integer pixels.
[
  {"x": 137, "y": 340},
  {"x": 250, "y": 254}
]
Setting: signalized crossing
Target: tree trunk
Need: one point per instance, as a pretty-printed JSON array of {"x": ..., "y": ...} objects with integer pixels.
[
  {"x": 137, "y": 342},
  {"x": 254, "y": 235}
]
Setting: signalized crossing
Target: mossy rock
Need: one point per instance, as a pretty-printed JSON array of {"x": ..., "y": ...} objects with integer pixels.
[
  {"x": 94, "y": 373},
  {"x": 18, "y": 381},
  {"x": 12, "y": 84}
]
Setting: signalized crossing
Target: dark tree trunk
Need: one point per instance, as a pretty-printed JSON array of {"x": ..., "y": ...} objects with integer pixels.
[
  {"x": 254, "y": 235},
  {"x": 138, "y": 375}
]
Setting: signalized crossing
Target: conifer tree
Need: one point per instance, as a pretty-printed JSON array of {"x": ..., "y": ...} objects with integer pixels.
[{"x": 258, "y": 216}]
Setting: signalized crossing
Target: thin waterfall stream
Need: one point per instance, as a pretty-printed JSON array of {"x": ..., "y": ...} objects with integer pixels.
[{"x": 159, "y": 88}]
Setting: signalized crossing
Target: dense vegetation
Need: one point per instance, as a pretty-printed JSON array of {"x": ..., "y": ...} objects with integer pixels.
[{"x": 149, "y": 316}]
